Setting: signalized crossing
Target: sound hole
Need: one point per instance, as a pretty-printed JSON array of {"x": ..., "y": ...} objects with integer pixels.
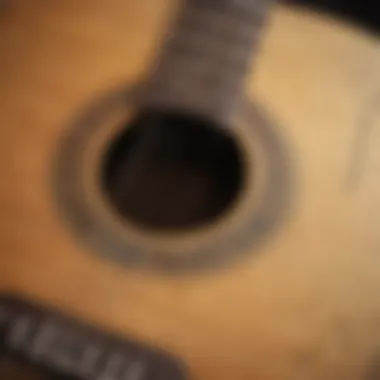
[{"x": 170, "y": 171}]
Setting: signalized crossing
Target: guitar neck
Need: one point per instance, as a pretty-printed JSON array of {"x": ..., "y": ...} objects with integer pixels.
[{"x": 206, "y": 58}]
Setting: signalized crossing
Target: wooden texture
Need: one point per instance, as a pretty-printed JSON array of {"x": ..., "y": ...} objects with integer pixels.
[{"x": 306, "y": 306}]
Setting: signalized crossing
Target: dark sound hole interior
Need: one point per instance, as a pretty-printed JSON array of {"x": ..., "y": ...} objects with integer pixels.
[{"x": 169, "y": 171}]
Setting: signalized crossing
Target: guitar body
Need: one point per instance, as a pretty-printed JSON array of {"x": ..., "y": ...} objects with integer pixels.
[{"x": 302, "y": 304}]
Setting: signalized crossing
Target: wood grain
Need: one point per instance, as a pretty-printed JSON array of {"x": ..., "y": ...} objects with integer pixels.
[{"x": 307, "y": 307}]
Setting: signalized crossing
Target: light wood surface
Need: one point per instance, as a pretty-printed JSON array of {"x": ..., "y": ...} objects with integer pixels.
[{"x": 306, "y": 306}]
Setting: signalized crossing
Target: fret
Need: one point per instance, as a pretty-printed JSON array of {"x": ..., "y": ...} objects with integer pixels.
[{"x": 207, "y": 57}]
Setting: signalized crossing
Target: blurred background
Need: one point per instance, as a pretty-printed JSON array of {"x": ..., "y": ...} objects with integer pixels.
[{"x": 363, "y": 12}]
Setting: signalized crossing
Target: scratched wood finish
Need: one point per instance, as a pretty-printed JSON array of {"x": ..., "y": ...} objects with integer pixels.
[{"x": 306, "y": 306}]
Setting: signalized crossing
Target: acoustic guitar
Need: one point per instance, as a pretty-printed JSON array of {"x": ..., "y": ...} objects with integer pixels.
[{"x": 188, "y": 190}]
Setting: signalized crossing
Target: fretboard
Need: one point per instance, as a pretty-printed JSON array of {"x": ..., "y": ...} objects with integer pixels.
[{"x": 207, "y": 56}]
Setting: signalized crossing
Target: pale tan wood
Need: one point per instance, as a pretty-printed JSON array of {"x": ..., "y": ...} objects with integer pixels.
[{"x": 307, "y": 305}]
